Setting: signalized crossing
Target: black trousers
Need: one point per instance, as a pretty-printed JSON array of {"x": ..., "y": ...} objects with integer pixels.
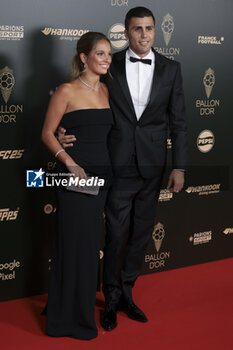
[{"x": 130, "y": 215}]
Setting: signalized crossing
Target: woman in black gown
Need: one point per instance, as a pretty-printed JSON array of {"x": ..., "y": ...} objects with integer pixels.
[{"x": 82, "y": 108}]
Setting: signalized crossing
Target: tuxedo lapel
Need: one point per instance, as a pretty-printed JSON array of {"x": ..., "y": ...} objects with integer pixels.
[
  {"x": 120, "y": 75},
  {"x": 156, "y": 82}
]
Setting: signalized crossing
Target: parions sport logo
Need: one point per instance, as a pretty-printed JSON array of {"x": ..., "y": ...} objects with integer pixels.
[
  {"x": 11, "y": 32},
  {"x": 165, "y": 195},
  {"x": 64, "y": 33},
  {"x": 201, "y": 237},
  {"x": 117, "y": 37}
]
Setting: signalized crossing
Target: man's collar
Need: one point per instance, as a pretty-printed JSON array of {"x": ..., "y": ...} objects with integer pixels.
[{"x": 131, "y": 53}]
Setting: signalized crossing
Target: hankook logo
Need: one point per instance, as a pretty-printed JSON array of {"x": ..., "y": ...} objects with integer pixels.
[
  {"x": 228, "y": 230},
  {"x": 204, "y": 189},
  {"x": 64, "y": 33}
]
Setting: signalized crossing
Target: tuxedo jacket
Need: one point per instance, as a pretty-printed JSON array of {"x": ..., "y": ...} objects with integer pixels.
[{"x": 147, "y": 137}]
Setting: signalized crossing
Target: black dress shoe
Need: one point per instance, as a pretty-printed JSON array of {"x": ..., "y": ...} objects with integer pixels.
[
  {"x": 44, "y": 312},
  {"x": 132, "y": 310},
  {"x": 109, "y": 320}
]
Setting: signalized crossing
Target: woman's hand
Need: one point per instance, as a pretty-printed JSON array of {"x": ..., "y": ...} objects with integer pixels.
[{"x": 76, "y": 170}]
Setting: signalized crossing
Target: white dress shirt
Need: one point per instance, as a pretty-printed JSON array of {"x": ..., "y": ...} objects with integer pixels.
[{"x": 139, "y": 78}]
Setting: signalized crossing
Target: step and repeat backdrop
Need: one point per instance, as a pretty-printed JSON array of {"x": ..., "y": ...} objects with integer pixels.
[{"x": 37, "y": 43}]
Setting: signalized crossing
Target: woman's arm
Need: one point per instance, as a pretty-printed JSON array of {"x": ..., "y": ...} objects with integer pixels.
[{"x": 57, "y": 107}]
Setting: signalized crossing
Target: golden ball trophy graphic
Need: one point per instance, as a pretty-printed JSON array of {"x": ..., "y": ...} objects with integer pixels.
[
  {"x": 167, "y": 27},
  {"x": 158, "y": 235},
  {"x": 7, "y": 81},
  {"x": 209, "y": 81}
]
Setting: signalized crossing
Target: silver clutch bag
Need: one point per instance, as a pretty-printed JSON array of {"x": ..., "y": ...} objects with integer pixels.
[{"x": 92, "y": 185}]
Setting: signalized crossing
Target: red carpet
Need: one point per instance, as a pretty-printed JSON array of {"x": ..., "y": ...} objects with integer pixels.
[{"x": 188, "y": 309}]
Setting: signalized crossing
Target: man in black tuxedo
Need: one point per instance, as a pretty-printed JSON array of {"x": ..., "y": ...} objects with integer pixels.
[
  {"x": 146, "y": 97},
  {"x": 147, "y": 100}
]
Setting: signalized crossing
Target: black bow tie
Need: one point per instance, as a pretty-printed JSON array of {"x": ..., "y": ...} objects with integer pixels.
[{"x": 143, "y": 60}]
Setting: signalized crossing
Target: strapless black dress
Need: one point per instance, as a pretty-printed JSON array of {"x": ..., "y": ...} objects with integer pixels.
[{"x": 74, "y": 270}]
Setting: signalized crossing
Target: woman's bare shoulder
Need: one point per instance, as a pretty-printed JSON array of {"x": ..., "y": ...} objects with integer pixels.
[{"x": 66, "y": 89}]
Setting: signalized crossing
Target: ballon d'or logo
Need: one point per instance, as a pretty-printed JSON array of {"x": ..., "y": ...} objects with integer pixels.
[
  {"x": 167, "y": 27},
  {"x": 158, "y": 235},
  {"x": 209, "y": 81},
  {"x": 7, "y": 81}
]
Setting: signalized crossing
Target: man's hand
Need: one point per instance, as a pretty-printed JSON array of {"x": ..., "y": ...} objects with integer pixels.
[
  {"x": 65, "y": 140},
  {"x": 176, "y": 181}
]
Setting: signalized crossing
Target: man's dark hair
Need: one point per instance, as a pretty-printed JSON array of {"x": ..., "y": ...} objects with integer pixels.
[{"x": 137, "y": 12}]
